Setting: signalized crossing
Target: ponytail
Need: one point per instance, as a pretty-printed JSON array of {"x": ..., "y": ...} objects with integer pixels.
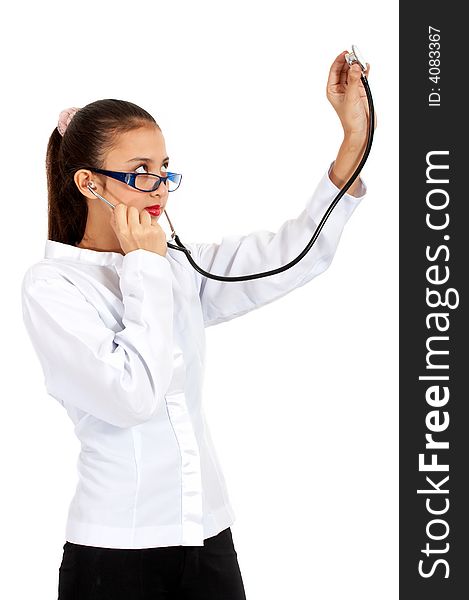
[{"x": 92, "y": 132}]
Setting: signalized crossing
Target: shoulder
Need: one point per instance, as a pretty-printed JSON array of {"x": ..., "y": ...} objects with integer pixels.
[
  {"x": 43, "y": 269},
  {"x": 45, "y": 272}
]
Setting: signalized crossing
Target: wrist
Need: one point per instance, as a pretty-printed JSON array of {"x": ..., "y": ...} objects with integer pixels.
[
  {"x": 349, "y": 156},
  {"x": 354, "y": 142}
]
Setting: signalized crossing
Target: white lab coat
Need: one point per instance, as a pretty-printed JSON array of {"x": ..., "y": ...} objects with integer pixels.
[{"x": 121, "y": 341}]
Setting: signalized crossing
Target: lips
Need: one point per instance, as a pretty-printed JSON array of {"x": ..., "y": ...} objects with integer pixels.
[{"x": 154, "y": 211}]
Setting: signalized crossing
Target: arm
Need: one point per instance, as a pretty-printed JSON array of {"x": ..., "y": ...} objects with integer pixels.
[
  {"x": 118, "y": 377},
  {"x": 347, "y": 94},
  {"x": 266, "y": 250},
  {"x": 348, "y": 158}
]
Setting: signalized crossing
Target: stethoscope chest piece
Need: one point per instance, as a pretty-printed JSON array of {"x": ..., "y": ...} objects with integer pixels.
[{"x": 356, "y": 57}]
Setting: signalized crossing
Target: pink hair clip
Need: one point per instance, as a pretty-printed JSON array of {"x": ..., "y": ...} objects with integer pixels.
[{"x": 65, "y": 117}]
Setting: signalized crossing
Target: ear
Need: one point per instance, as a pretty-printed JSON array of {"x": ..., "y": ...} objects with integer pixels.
[{"x": 82, "y": 178}]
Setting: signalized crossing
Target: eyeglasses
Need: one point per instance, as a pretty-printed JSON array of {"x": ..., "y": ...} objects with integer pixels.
[{"x": 144, "y": 182}]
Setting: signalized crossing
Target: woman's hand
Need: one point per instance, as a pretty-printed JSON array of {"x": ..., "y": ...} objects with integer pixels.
[
  {"x": 136, "y": 230},
  {"x": 346, "y": 92}
]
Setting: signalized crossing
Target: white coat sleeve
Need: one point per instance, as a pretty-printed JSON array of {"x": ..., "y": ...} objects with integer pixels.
[
  {"x": 119, "y": 377},
  {"x": 265, "y": 250}
]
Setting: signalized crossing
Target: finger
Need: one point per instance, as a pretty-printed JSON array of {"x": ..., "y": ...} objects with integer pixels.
[
  {"x": 366, "y": 71},
  {"x": 120, "y": 216},
  {"x": 344, "y": 73},
  {"x": 133, "y": 216},
  {"x": 145, "y": 217},
  {"x": 352, "y": 93},
  {"x": 336, "y": 71}
]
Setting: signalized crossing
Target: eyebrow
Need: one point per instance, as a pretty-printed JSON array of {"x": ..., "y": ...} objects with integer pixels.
[{"x": 145, "y": 159}]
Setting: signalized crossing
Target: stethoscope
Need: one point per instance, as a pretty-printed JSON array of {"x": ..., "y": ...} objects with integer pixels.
[{"x": 351, "y": 57}]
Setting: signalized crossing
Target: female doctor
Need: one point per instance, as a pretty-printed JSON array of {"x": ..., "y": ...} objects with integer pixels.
[{"x": 117, "y": 321}]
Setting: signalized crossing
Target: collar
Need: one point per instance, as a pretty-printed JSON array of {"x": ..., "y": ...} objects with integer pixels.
[{"x": 58, "y": 251}]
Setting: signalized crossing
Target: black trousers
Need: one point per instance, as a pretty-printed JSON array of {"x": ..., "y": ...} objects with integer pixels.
[{"x": 208, "y": 572}]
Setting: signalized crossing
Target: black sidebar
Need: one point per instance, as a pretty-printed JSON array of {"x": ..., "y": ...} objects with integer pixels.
[{"x": 434, "y": 317}]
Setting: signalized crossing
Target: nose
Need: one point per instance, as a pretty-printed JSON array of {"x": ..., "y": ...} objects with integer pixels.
[
  {"x": 164, "y": 184},
  {"x": 160, "y": 192}
]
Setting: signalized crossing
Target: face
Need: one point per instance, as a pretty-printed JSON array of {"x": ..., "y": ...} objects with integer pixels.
[{"x": 140, "y": 150}]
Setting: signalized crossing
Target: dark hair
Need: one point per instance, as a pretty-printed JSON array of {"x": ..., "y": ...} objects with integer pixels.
[{"x": 92, "y": 132}]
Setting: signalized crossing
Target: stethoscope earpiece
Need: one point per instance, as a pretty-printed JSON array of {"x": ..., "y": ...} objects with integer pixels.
[{"x": 91, "y": 186}]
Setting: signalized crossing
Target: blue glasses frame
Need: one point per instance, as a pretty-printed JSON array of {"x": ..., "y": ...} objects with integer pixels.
[{"x": 129, "y": 178}]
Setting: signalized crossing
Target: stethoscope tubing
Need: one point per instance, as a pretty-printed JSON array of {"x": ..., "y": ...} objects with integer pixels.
[
  {"x": 180, "y": 246},
  {"x": 326, "y": 215}
]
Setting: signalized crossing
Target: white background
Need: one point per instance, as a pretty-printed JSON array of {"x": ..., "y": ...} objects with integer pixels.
[{"x": 301, "y": 396}]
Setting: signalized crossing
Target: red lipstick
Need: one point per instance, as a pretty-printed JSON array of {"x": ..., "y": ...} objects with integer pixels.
[{"x": 154, "y": 210}]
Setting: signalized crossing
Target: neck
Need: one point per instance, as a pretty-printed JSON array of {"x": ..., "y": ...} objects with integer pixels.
[{"x": 89, "y": 244}]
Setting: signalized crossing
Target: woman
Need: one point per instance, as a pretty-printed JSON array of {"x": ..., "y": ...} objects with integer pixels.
[{"x": 117, "y": 320}]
